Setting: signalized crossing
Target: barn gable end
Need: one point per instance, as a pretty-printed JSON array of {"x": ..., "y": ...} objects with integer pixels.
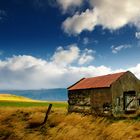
[{"x": 128, "y": 86}]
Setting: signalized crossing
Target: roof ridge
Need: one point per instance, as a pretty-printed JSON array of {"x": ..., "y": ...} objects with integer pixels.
[{"x": 105, "y": 75}]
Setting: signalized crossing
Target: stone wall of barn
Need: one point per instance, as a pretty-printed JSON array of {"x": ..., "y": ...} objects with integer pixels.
[
  {"x": 128, "y": 82},
  {"x": 95, "y": 101},
  {"x": 79, "y": 101},
  {"x": 101, "y": 101}
]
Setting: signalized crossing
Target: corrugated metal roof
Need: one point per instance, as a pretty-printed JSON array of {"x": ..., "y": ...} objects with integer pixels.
[{"x": 96, "y": 82}]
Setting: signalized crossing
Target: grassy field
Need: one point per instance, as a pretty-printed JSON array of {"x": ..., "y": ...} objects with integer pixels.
[
  {"x": 24, "y": 124},
  {"x": 23, "y": 121},
  {"x": 31, "y": 104}
]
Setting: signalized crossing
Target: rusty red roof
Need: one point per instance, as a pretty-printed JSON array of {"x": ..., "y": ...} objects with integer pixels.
[{"x": 96, "y": 82}]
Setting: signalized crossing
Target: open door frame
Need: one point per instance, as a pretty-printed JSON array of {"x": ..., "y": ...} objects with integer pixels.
[{"x": 126, "y": 103}]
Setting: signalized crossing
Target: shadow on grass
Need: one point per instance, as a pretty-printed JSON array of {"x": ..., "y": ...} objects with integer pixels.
[{"x": 34, "y": 125}]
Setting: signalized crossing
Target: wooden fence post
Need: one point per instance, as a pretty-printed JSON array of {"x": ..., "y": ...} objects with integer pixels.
[{"x": 47, "y": 113}]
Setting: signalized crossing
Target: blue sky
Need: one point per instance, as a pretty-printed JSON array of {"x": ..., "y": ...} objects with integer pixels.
[{"x": 94, "y": 37}]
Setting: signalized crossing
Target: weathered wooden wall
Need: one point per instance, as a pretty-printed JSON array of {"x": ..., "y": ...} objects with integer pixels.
[
  {"x": 99, "y": 98},
  {"x": 79, "y": 101},
  {"x": 89, "y": 100}
]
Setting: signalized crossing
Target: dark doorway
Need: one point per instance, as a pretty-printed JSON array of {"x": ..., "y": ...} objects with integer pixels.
[{"x": 130, "y": 102}]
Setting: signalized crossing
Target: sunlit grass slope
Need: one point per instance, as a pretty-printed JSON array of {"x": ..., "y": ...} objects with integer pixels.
[
  {"x": 11, "y": 97},
  {"x": 9, "y": 100}
]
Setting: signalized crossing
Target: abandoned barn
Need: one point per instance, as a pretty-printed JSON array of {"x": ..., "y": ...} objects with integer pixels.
[{"x": 111, "y": 94}]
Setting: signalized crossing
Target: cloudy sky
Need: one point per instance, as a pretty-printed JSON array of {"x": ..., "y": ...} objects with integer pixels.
[{"x": 54, "y": 43}]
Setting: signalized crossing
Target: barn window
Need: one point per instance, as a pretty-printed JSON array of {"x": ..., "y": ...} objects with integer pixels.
[{"x": 118, "y": 101}]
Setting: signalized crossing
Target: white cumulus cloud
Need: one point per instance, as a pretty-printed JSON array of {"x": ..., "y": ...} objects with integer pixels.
[
  {"x": 28, "y": 72},
  {"x": 79, "y": 22},
  {"x": 66, "y": 4},
  {"x": 107, "y": 13},
  {"x": 86, "y": 57},
  {"x": 72, "y": 54},
  {"x": 66, "y": 56}
]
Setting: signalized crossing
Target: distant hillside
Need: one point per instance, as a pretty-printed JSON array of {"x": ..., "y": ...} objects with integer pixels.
[
  {"x": 44, "y": 94},
  {"x": 11, "y": 97}
]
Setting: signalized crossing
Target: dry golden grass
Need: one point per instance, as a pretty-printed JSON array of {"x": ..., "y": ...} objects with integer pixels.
[{"x": 15, "y": 124}]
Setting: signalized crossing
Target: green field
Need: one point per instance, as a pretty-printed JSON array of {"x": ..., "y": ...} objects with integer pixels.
[{"x": 31, "y": 104}]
